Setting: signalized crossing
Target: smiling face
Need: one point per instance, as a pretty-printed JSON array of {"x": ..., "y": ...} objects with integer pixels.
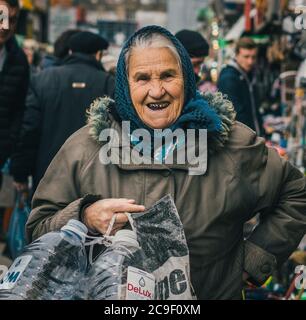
[{"x": 156, "y": 86}]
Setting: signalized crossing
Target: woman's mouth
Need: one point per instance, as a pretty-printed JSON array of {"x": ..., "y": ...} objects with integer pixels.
[{"x": 158, "y": 105}]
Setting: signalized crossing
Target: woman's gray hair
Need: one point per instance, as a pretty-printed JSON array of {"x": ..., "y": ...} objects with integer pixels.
[{"x": 154, "y": 40}]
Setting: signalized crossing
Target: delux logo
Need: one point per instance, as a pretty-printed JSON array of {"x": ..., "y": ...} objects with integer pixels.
[{"x": 4, "y": 17}]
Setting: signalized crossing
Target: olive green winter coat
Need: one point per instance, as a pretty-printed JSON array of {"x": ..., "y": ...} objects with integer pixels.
[{"x": 243, "y": 177}]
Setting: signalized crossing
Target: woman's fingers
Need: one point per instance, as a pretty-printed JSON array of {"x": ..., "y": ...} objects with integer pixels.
[
  {"x": 98, "y": 216},
  {"x": 121, "y": 218},
  {"x": 127, "y": 207},
  {"x": 119, "y": 205}
]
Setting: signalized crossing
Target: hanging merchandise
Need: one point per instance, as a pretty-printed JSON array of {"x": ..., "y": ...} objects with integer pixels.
[
  {"x": 297, "y": 128},
  {"x": 300, "y": 47},
  {"x": 275, "y": 53},
  {"x": 261, "y": 11}
]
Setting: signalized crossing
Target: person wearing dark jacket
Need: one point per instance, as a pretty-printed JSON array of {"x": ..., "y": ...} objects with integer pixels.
[
  {"x": 61, "y": 50},
  {"x": 197, "y": 48},
  {"x": 238, "y": 81},
  {"x": 56, "y": 106},
  {"x": 14, "y": 80}
]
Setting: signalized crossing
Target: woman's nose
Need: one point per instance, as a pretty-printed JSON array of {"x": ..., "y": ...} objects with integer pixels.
[{"x": 156, "y": 90}]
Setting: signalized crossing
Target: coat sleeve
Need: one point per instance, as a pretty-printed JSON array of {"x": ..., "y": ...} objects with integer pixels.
[
  {"x": 57, "y": 198},
  {"x": 25, "y": 153},
  {"x": 17, "y": 115},
  {"x": 283, "y": 215},
  {"x": 20, "y": 106},
  {"x": 279, "y": 193}
]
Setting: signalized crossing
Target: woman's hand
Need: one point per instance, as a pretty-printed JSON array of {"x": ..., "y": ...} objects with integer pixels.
[{"x": 98, "y": 216}]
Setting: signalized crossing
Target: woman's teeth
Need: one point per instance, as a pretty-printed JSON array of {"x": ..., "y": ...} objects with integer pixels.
[{"x": 158, "y": 106}]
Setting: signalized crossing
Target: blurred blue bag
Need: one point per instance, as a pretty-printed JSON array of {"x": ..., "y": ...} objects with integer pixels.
[{"x": 16, "y": 232}]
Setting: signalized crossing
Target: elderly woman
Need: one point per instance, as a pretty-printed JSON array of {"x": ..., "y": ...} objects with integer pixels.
[{"x": 155, "y": 89}]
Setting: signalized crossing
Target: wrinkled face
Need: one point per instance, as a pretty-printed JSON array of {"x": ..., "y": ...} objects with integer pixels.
[
  {"x": 13, "y": 18},
  {"x": 246, "y": 58},
  {"x": 156, "y": 86}
]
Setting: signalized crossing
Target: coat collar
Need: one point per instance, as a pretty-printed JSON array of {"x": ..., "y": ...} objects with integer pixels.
[
  {"x": 81, "y": 58},
  {"x": 99, "y": 117},
  {"x": 249, "y": 77},
  {"x": 11, "y": 46}
]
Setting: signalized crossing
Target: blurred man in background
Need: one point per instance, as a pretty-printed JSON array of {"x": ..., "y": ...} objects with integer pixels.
[
  {"x": 14, "y": 80},
  {"x": 61, "y": 50},
  {"x": 56, "y": 105},
  {"x": 238, "y": 81},
  {"x": 197, "y": 48}
]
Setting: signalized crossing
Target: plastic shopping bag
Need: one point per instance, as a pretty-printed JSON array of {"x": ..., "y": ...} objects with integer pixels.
[
  {"x": 161, "y": 235},
  {"x": 16, "y": 233},
  {"x": 7, "y": 191}
]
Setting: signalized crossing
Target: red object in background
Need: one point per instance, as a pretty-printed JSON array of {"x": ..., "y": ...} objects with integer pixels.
[
  {"x": 63, "y": 3},
  {"x": 281, "y": 151},
  {"x": 6, "y": 219},
  {"x": 81, "y": 14},
  {"x": 261, "y": 10},
  {"x": 247, "y": 14}
]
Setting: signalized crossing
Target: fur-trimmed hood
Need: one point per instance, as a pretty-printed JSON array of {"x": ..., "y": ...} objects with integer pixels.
[{"x": 99, "y": 118}]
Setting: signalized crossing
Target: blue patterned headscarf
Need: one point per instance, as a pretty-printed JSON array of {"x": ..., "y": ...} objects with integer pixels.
[{"x": 196, "y": 113}]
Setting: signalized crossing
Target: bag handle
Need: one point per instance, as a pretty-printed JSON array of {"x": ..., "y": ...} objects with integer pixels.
[
  {"x": 106, "y": 239},
  {"x": 113, "y": 220}
]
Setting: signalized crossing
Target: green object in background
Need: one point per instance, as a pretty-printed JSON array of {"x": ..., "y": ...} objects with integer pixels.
[
  {"x": 222, "y": 43},
  {"x": 205, "y": 14},
  {"x": 303, "y": 297},
  {"x": 260, "y": 38},
  {"x": 20, "y": 39}
]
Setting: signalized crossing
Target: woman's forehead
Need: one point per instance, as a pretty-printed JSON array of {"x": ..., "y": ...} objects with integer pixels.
[{"x": 152, "y": 58}]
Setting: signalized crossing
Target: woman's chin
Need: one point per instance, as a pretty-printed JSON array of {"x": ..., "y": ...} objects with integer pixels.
[
  {"x": 157, "y": 119},
  {"x": 159, "y": 124}
]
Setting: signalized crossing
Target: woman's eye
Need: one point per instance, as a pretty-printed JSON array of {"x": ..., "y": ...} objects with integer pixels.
[
  {"x": 142, "y": 78},
  {"x": 167, "y": 76}
]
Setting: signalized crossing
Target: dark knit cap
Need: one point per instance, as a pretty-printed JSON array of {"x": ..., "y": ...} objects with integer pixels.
[
  {"x": 194, "y": 43},
  {"x": 87, "y": 42}
]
